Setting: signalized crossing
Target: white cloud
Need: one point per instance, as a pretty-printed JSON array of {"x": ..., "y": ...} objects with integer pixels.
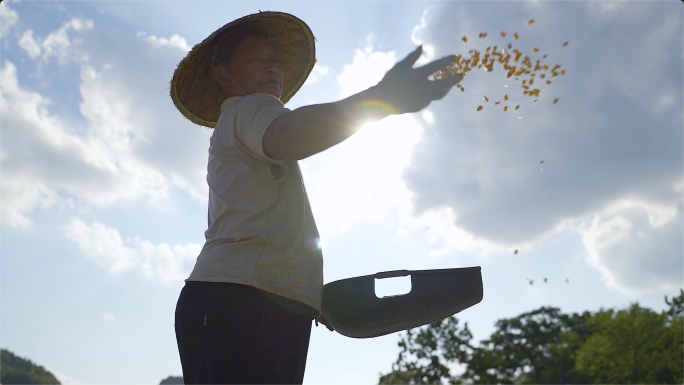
[
  {"x": 636, "y": 246},
  {"x": 64, "y": 379},
  {"x": 366, "y": 70},
  {"x": 108, "y": 317},
  {"x": 8, "y": 18},
  {"x": 129, "y": 141},
  {"x": 56, "y": 44},
  {"x": 317, "y": 72},
  {"x": 416, "y": 38},
  {"x": 361, "y": 180},
  {"x": 29, "y": 44},
  {"x": 105, "y": 246},
  {"x": 175, "y": 41},
  {"x": 54, "y": 156},
  {"x": 428, "y": 116},
  {"x": 607, "y": 7}
]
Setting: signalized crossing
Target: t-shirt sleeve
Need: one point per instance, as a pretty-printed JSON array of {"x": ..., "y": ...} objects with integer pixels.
[{"x": 253, "y": 116}]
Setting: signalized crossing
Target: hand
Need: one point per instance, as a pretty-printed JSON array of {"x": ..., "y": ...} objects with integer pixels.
[
  {"x": 408, "y": 89},
  {"x": 324, "y": 321}
]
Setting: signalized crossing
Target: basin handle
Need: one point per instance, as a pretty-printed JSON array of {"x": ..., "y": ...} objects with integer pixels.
[{"x": 391, "y": 274}]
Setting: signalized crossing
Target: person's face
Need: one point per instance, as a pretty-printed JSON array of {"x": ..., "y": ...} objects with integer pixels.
[{"x": 256, "y": 68}]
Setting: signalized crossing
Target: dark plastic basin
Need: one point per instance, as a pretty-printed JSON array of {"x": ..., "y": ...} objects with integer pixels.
[{"x": 353, "y": 309}]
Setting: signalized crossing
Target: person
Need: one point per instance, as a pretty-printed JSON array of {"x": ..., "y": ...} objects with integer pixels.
[{"x": 245, "y": 312}]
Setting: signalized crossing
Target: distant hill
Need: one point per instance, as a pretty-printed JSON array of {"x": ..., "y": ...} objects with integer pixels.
[
  {"x": 17, "y": 370},
  {"x": 171, "y": 380}
]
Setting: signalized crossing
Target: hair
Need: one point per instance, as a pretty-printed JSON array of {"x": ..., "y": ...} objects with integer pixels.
[{"x": 224, "y": 44}]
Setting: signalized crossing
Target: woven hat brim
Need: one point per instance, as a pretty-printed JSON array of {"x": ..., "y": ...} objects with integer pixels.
[{"x": 196, "y": 94}]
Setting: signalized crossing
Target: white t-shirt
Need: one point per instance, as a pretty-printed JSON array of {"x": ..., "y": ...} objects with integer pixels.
[{"x": 261, "y": 229}]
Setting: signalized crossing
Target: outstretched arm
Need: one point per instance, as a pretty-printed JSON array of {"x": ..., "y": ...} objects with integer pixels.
[{"x": 311, "y": 129}]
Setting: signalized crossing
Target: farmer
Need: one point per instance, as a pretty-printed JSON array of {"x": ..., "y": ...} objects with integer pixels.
[{"x": 245, "y": 312}]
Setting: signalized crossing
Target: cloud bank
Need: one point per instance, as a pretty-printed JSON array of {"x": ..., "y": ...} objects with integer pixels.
[
  {"x": 127, "y": 142},
  {"x": 612, "y": 147},
  {"x": 105, "y": 246}
]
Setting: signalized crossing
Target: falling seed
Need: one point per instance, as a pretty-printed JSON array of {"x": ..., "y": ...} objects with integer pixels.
[
  {"x": 531, "y": 21},
  {"x": 516, "y": 252},
  {"x": 497, "y": 103},
  {"x": 544, "y": 57},
  {"x": 549, "y": 82},
  {"x": 555, "y": 100},
  {"x": 509, "y": 46},
  {"x": 479, "y": 108},
  {"x": 541, "y": 162},
  {"x": 505, "y": 108},
  {"x": 485, "y": 98},
  {"x": 545, "y": 280},
  {"x": 516, "y": 36},
  {"x": 506, "y": 97},
  {"x": 516, "y": 107},
  {"x": 535, "y": 49},
  {"x": 464, "y": 39},
  {"x": 566, "y": 43},
  {"x": 503, "y": 34}
]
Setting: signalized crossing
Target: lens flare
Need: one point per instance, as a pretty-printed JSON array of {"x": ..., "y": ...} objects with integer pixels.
[{"x": 379, "y": 104}]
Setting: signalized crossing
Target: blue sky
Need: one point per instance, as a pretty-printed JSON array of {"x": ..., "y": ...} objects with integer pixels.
[{"x": 104, "y": 196}]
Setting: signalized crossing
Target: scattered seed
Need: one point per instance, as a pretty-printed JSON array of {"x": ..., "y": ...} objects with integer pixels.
[
  {"x": 531, "y": 21},
  {"x": 464, "y": 39},
  {"x": 479, "y": 108}
]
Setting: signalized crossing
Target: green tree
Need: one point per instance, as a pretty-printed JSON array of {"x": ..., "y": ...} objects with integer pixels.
[
  {"x": 545, "y": 346},
  {"x": 17, "y": 370},
  {"x": 428, "y": 345},
  {"x": 635, "y": 346},
  {"x": 522, "y": 349}
]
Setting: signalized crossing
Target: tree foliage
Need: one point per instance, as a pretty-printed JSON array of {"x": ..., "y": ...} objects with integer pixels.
[
  {"x": 17, "y": 370},
  {"x": 544, "y": 346}
]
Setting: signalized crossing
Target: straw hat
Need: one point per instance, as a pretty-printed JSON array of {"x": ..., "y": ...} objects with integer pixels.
[{"x": 197, "y": 95}]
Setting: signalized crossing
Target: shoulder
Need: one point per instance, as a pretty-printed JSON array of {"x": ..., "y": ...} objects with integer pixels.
[{"x": 261, "y": 99}]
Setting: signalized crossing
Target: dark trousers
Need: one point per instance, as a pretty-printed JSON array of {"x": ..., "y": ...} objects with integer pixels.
[{"x": 233, "y": 334}]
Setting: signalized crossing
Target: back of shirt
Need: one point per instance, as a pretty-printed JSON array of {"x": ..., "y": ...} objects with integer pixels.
[{"x": 261, "y": 229}]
